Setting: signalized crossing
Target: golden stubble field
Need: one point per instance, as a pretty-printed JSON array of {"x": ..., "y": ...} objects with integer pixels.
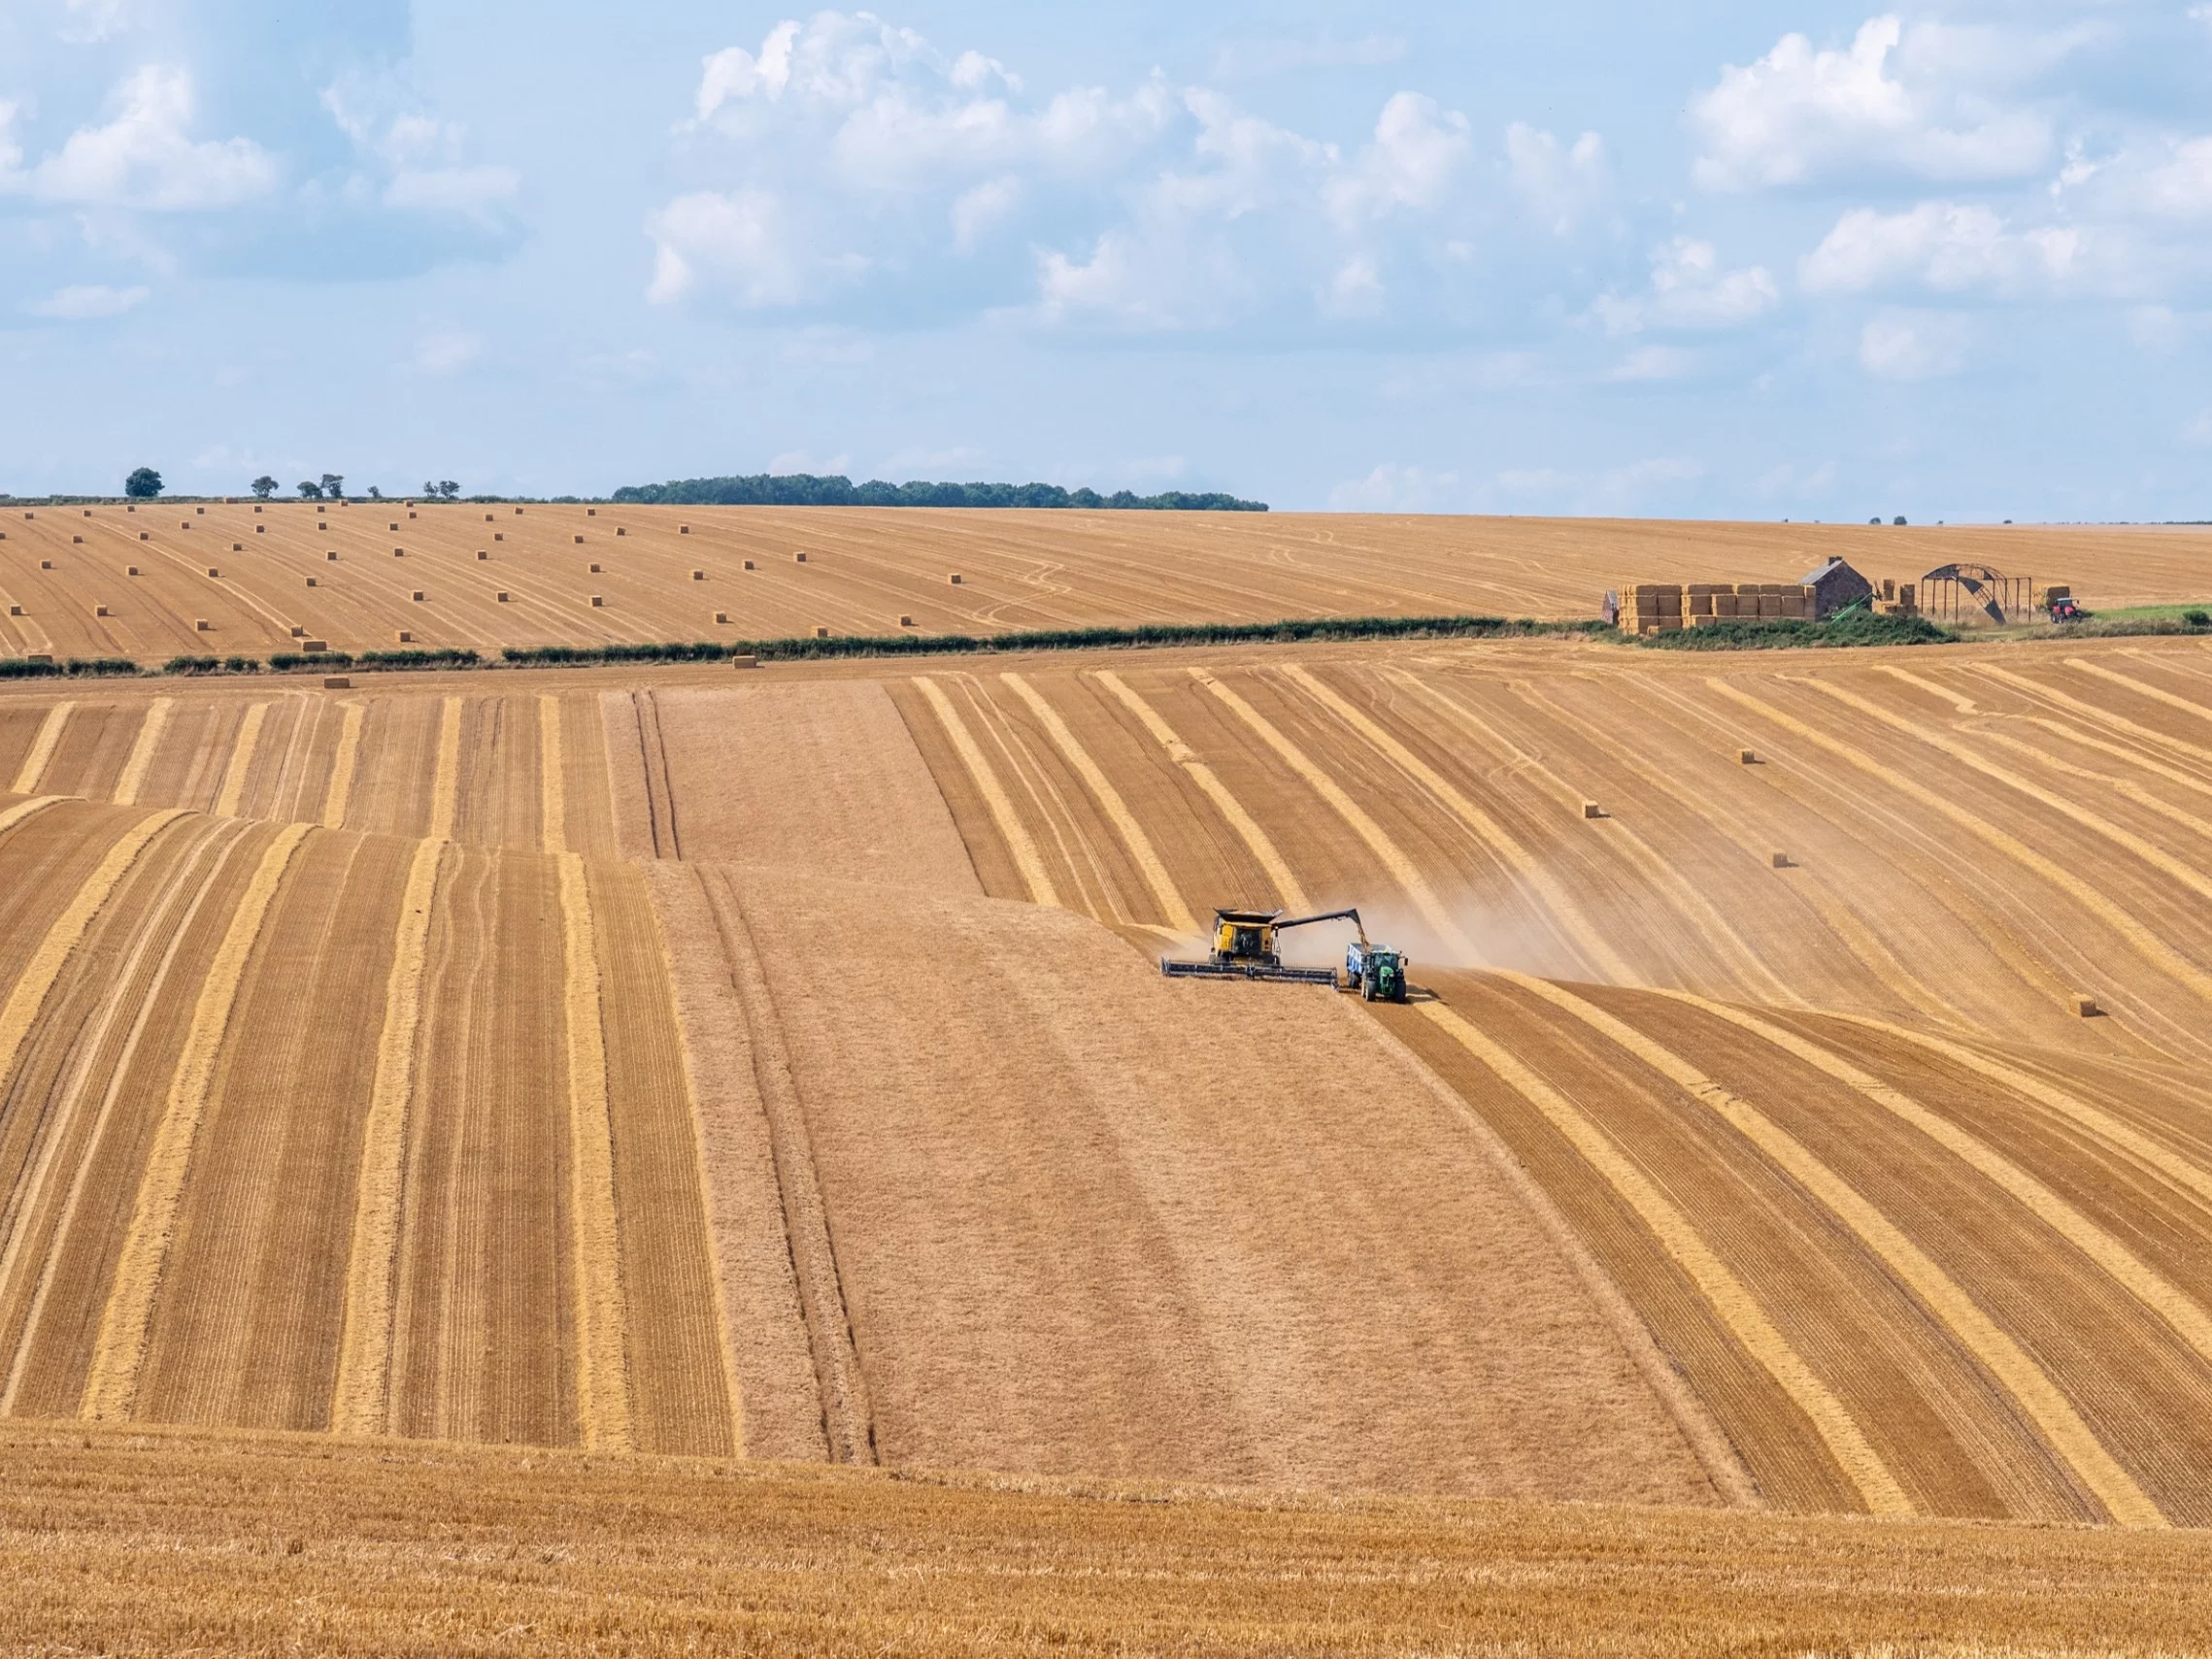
[
  {"x": 774, "y": 1066},
  {"x": 110, "y": 581}
]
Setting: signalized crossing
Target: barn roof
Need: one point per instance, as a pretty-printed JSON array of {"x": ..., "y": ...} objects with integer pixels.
[{"x": 1814, "y": 577}]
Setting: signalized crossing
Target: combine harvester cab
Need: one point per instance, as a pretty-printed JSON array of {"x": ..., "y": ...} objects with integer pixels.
[{"x": 1244, "y": 948}]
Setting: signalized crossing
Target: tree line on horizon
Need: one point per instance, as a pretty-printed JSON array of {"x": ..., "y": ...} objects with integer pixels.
[{"x": 806, "y": 489}]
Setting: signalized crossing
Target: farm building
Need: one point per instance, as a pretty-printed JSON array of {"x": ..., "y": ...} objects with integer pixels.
[{"x": 1833, "y": 586}]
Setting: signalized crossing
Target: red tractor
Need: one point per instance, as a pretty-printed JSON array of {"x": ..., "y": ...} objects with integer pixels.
[{"x": 2064, "y": 609}]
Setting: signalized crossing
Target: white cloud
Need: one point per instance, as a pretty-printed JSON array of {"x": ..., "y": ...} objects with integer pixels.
[
  {"x": 1534, "y": 480},
  {"x": 1250, "y": 60},
  {"x": 144, "y": 156},
  {"x": 806, "y": 461},
  {"x": 447, "y": 353},
  {"x": 472, "y": 193},
  {"x": 1563, "y": 185},
  {"x": 81, "y": 303},
  {"x": 1943, "y": 246},
  {"x": 741, "y": 240},
  {"x": 1928, "y": 101},
  {"x": 848, "y": 147},
  {"x": 1690, "y": 290},
  {"x": 1395, "y": 489},
  {"x": 933, "y": 463},
  {"x": 979, "y": 210},
  {"x": 1915, "y": 346},
  {"x": 420, "y": 158},
  {"x": 1641, "y": 479},
  {"x": 1655, "y": 363},
  {"x": 92, "y": 21},
  {"x": 2179, "y": 186},
  {"x": 1419, "y": 153},
  {"x": 1790, "y": 479}
]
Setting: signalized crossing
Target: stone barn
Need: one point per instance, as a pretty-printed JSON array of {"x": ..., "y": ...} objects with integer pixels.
[{"x": 1834, "y": 585}]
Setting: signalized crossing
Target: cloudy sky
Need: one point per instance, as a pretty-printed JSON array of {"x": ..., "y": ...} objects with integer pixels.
[{"x": 1784, "y": 260}]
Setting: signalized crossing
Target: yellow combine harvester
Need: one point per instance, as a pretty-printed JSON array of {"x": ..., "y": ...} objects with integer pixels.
[{"x": 1244, "y": 948}]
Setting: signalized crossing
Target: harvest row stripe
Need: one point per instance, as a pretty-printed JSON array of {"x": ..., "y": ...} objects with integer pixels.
[
  {"x": 234, "y": 776},
  {"x": 1002, "y": 813},
  {"x": 2114, "y": 1131},
  {"x": 1392, "y": 858},
  {"x": 445, "y": 787},
  {"x": 2145, "y": 944},
  {"x": 112, "y": 1386},
  {"x": 42, "y": 746},
  {"x": 2103, "y": 717},
  {"x": 1728, "y": 1296},
  {"x": 1492, "y": 835},
  {"x": 1164, "y": 890},
  {"x": 1866, "y": 946},
  {"x": 2157, "y": 857},
  {"x": 143, "y": 751},
  {"x": 1699, "y": 912},
  {"x": 2145, "y": 1283},
  {"x": 10, "y": 817},
  {"x": 32, "y": 986},
  {"x": 360, "y": 1400},
  {"x": 1738, "y": 1311},
  {"x": 1256, "y": 840},
  {"x": 342, "y": 765},
  {"x": 602, "y": 1386},
  {"x": 2142, "y": 688},
  {"x": 2045, "y": 1404},
  {"x": 553, "y": 827},
  {"x": 166, "y": 929}
]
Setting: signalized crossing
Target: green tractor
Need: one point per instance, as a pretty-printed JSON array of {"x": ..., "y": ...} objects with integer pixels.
[{"x": 1375, "y": 971}]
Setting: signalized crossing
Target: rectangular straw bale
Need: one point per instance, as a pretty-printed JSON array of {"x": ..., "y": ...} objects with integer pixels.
[
  {"x": 721, "y": 618},
  {"x": 503, "y": 596},
  {"x": 401, "y": 636},
  {"x": 597, "y": 599},
  {"x": 745, "y": 662}
]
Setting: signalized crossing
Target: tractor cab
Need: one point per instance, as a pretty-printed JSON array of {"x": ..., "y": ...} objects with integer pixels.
[
  {"x": 2064, "y": 609},
  {"x": 1375, "y": 971}
]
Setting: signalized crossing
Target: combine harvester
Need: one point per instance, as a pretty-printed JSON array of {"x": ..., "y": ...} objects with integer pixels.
[{"x": 1244, "y": 948}]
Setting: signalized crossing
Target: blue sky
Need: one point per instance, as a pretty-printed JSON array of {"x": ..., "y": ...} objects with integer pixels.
[{"x": 1807, "y": 260}]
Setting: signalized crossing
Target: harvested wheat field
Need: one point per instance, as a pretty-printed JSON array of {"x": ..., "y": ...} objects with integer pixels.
[
  {"x": 163, "y": 1542},
  {"x": 157, "y": 580},
  {"x": 1800, "y": 1110}
]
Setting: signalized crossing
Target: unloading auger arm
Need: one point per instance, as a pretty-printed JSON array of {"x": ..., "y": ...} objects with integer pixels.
[{"x": 1327, "y": 915}]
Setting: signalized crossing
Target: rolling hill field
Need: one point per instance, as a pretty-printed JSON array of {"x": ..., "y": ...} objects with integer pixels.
[
  {"x": 140, "y": 582},
  {"x": 1803, "y": 1107}
]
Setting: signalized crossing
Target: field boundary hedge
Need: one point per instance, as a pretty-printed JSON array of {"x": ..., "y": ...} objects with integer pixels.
[{"x": 1848, "y": 630}]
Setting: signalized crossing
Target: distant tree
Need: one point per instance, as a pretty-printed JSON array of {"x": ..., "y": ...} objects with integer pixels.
[
  {"x": 1876, "y": 519},
  {"x": 264, "y": 488},
  {"x": 144, "y": 484},
  {"x": 1899, "y": 519},
  {"x": 334, "y": 486},
  {"x": 445, "y": 489},
  {"x": 374, "y": 494},
  {"x": 310, "y": 491}
]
